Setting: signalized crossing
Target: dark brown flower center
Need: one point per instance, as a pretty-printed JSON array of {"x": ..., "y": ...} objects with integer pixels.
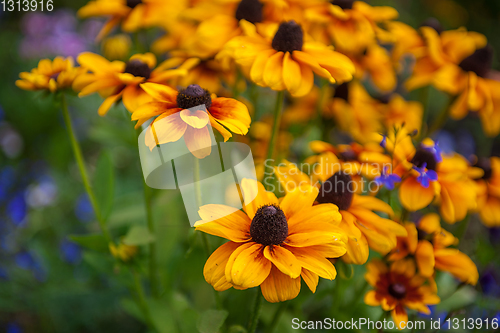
[
  {"x": 289, "y": 37},
  {"x": 269, "y": 226},
  {"x": 342, "y": 91},
  {"x": 138, "y": 68},
  {"x": 397, "y": 290},
  {"x": 133, "y": 3},
  {"x": 193, "y": 96},
  {"x": 250, "y": 10},
  {"x": 344, "y": 4},
  {"x": 433, "y": 23},
  {"x": 424, "y": 156},
  {"x": 338, "y": 190},
  {"x": 479, "y": 62},
  {"x": 485, "y": 164},
  {"x": 348, "y": 155}
]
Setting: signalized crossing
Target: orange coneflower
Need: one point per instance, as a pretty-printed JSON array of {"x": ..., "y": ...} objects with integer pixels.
[{"x": 272, "y": 244}]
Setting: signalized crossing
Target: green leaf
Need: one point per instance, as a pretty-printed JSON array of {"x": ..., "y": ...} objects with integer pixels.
[
  {"x": 104, "y": 185},
  {"x": 237, "y": 329},
  {"x": 211, "y": 321},
  {"x": 96, "y": 242},
  {"x": 138, "y": 235}
]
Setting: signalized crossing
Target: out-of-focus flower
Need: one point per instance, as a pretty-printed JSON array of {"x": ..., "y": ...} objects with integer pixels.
[
  {"x": 363, "y": 227},
  {"x": 123, "y": 251},
  {"x": 282, "y": 57},
  {"x": 42, "y": 193},
  {"x": 27, "y": 261},
  {"x": 398, "y": 111},
  {"x": 50, "y": 75},
  {"x": 488, "y": 201},
  {"x": 17, "y": 208},
  {"x": 272, "y": 243},
  {"x": 14, "y": 328},
  {"x": 351, "y": 25},
  {"x": 83, "y": 209},
  {"x": 71, "y": 252},
  {"x": 398, "y": 288},
  {"x": 132, "y": 14},
  {"x": 429, "y": 245},
  {"x": 388, "y": 180},
  {"x": 119, "y": 80},
  {"x": 221, "y": 112},
  {"x": 116, "y": 47}
]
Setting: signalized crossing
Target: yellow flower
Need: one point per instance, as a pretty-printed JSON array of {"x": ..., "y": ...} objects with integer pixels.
[
  {"x": 272, "y": 244},
  {"x": 50, "y": 75},
  {"x": 119, "y": 80},
  {"x": 363, "y": 227},
  {"x": 281, "y": 57},
  {"x": 428, "y": 243},
  {"x": 172, "y": 106},
  {"x": 132, "y": 14},
  {"x": 427, "y": 175},
  {"x": 488, "y": 202},
  {"x": 351, "y": 25},
  {"x": 123, "y": 251},
  {"x": 398, "y": 111},
  {"x": 398, "y": 288},
  {"x": 116, "y": 47}
]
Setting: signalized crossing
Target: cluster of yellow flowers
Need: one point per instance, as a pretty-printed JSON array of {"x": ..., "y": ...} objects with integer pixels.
[{"x": 221, "y": 47}]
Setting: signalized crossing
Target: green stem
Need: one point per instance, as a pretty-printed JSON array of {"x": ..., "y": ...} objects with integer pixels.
[
  {"x": 277, "y": 315},
  {"x": 359, "y": 295},
  {"x": 83, "y": 170},
  {"x": 280, "y": 98},
  {"x": 424, "y": 98},
  {"x": 256, "y": 312},
  {"x": 141, "y": 298}
]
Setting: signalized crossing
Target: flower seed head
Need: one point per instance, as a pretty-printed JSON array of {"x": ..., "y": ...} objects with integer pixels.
[
  {"x": 485, "y": 164},
  {"x": 133, "y": 3},
  {"x": 193, "y": 96},
  {"x": 138, "y": 68},
  {"x": 337, "y": 190},
  {"x": 397, "y": 290},
  {"x": 289, "y": 37},
  {"x": 479, "y": 62},
  {"x": 433, "y": 23},
  {"x": 342, "y": 91},
  {"x": 250, "y": 10},
  {"x": 424, "y": 156},
  {"x": 269, "y": 226}
]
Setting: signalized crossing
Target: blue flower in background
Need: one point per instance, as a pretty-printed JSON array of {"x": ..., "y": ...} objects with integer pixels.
[
  {"x": 14, "y": 328},
  {"x": 7, "y": 176},
  {"x": 17, "y": 208},
  {"x": 3, "y": 274},
  {"x": 71, "y": 252},
  {"x": 83, "y": 209},
  {"x": 446, "y": 141},
  {"x": 425, "y": 176},
  {"x": 388, "y": 180},
  {"x": 383, "y": 143},
  {"x": 435, "y": 150},
  {"x": 26, "y": 261},
  {"x": 489, "y": 283}
]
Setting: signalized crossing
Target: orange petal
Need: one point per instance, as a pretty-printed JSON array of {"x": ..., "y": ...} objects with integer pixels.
[
  {"x": 197, "y": 119},
  {"x": 106, "y": 105},
  {"x": 214, "y": 270},
  {"x": 160, "y": 92},
  {"x": 414, "y": 196},
  {"x": 164, "y": 130},
  {"x": 224, "y": 221},
  {"x": 310, "y": 279},
  {"x": 247, "y": 267},
  {"x": 279, "y": 287},
  {"x": 198, "y": 141},
  {"x": 315, "y": 262},
  {"x": 284, "y": 260},
  {"x": 256, "y": 196}
]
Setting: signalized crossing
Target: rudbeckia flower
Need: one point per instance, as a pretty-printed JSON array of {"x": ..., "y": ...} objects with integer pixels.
[
  {"x": 398, "y": 288},
  {"x": 167, "y": 102},
  {"x": 272, "y": 243},
  {"x": 119, "y": 80},
  {"x": 363, "y": 227},
  {"x": 132, "y": 14},
  {"x": 281, "y": 57},
  {"x": 429, "y": 245},
  {"x": 50, "y": 75},
  {"x": 488, "y": 202},
  {"x": 351, "y": 25},
  {"x": 427, "y": 176}
]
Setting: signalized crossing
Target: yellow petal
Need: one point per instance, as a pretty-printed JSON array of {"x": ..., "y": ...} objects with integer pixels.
[
  {"x": 310, "y": 279},
  {"x": 196, "y": 119},
  {"x": 255, "y": 196},
  {"x": 108, "y": 102},
  {"x": 214, "y": 270},
  {"x": 298, "y": 199},
  {"x": 160, "y": 92},
  {"x": 224, "y": 221},
  {"x": 284, "y": 260},
  {"x": 315, "y": 262},
  {"x": 414, "y": 196},
  {"x": 247, "y": 267},
  {"x": 198, "y": 141},
  {"x": 425, "y": 258},
  {"x": 279, "y": 287}
]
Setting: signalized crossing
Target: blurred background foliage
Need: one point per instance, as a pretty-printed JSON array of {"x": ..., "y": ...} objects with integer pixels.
[{"x": 48, "y": 283}]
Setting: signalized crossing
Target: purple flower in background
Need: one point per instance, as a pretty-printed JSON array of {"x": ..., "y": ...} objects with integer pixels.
[
  {"x": 71, "y": 252},
  {"x": 490, "y": 283},
  {"x": 56, "y": 33},
  {"x": 425, "y": 176},
  {"x": 446, "y": 141},
  {"x": 435, "y": 150},
  {"x": 383, "y": 143},
  {"x": 26, "y": 261},
  {"x": 14, "y": 328},
  {"x": 387, "y": 180},
  {"x": 17, "y": 209},
  {"x": 7, "y": 176},
  {"x": 83, "y": 209}
]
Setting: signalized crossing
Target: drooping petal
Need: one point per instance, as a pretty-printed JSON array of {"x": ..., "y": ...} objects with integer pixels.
[
  {"x": 425, "y": 258},
  {"x": 165, "y": 129},
  {"x": 247, "y": 267},
  {"x": 215, "y": 267},
  {"x": 284, "y": 260},
  {"x": 107, "y": 104},
  {"x": 198, "y": 141},
  {"x": 279, "y": 287},
  {"x": 310, "y": 279},
  {"x": 232, "y": 114}
]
